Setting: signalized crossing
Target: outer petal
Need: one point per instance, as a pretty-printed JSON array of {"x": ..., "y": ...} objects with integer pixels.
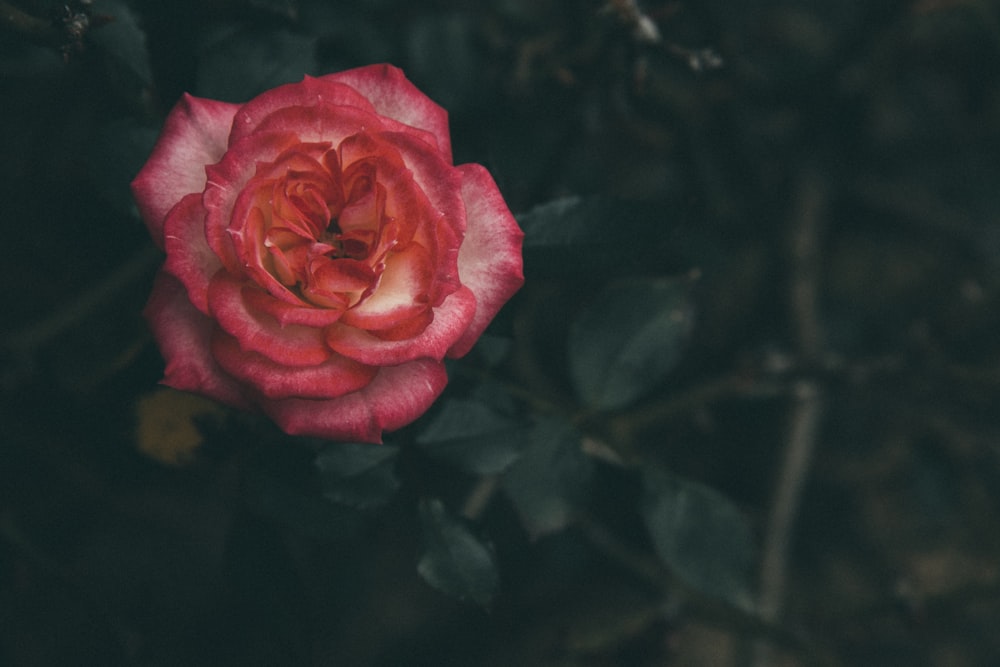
[
  {"x": 334, "y": 377},
  {"x": 328, "y": 120},
  {"x": 394, "y": 96},
  {"x": 189, "y": 258},
  {"x": 183, "y": 335},
  {"x": 451, "y": 320},
  {"x": 321, "y": 122},
  {"x": 489, "y": 262},
  {"x": 309, "y": 92},
  {"x": 194, "y": 135},
  {"x": 292, "y": 345},
  {"x": 397, "y": 396}
]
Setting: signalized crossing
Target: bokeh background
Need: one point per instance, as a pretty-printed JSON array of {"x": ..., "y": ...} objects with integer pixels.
[{"x": 810, "y": 190}]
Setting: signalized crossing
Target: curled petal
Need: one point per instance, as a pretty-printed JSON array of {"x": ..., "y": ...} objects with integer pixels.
[
  {"x": 194, "y": 135},
  {"x": 394, "y": 96},
  {"x": 348, "y": 276},
  {"x": 334, "y": 377},
  {"x": 443, "y": 210},
  {"x": 397, "y": 396},
  {"x": 226, "y": 181},
  {"x": 293, "y": 345},
  {"x": 189, "y": 258},
  {"x": 184, "y": 337},
  {"x": 401, "y": 292},
  {"x": 434, "y": 341},
  {"x": 285, "y": 314},
  {"x": 489, "y": 261}
]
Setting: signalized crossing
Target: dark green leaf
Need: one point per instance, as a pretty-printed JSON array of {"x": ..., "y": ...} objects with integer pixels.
[
  {"x": 581, "y": 236},
  {"x": 473, "y": 436},
  {"x": 284, "y": 488},
  {"x": 700, "y": 535},
  {"x": 236, "y": 63},
  {"x": 548, "y": 483},
  {"x": 359, "y": 475},
  {"x": 627, "y": 339},
  {"x": 454, "y": 560},
  {"x": 123, "y": 40}
]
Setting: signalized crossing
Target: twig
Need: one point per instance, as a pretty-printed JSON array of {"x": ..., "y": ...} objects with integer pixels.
[
  {"x": 625, "y": 425},
  {"x": 64, "y": 31},
  {"x": 807, "y": 405},
  {"x": 806, "y": 414}
]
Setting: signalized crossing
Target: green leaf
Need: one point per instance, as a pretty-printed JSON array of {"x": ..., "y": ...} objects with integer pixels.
[
  {"x": 627, "y": 339},
  {"x": 704, "y": 539},
  {"x": 548, "y": 483},
  {"x": 473, "y": 436},
  {"x": 584, "y": 236},
  {"x": 454, "y": 560},
  {"x": 123, "y": 40},
  {"x": 284, "y": 487},
  {"x": 357, "y": 474}
]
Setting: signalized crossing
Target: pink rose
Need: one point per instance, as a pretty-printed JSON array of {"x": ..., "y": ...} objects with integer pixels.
[{"x": 323, "y": 253}]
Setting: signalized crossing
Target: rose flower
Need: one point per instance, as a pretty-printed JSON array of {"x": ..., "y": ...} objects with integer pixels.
[{"x": 323, "y": 253}]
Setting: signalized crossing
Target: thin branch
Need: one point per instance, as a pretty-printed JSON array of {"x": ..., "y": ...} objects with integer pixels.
[
  {"x": 806, "y": 414},
  {"x": 628, "y": 423},
  {"x": 64, "y": 31},
  {"x": 807, "y": 401}
]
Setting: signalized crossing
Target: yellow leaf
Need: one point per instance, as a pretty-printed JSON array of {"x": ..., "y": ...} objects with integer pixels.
[{"x": 166, "y": 430}]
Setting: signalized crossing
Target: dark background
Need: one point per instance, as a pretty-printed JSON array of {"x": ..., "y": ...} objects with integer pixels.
[{"x": 828, "y": 192}]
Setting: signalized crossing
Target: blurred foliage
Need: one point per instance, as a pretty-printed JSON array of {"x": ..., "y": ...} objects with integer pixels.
[{"x": 723, "y": 202}]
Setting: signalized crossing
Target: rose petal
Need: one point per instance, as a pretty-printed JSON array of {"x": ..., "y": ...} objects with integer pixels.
[
  {"x": 261, "y": 302},
  {"x": 401, "y": 292},
  {"x": 322, "y": 122},
  {"x": 226, "y": 180},
  {"x": 392, "y": 94},
  {"x": 183, "y": 335},
  {"x": 189, "y": 258},
  {"x": 308, "y": 92},
  {"x": 333, "y": 378},
  {"x": 440, "y": 185},
  {"x": 294, "y": 345},
  {"x": 449, "y": 323},
  {"x": 397, "y": 396},
  {"x": 408, "y": 328},
  {"x": 489, "y": 261},
  {"x": 194, "y": 135},
  {"x": 341, "y": 275}
]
